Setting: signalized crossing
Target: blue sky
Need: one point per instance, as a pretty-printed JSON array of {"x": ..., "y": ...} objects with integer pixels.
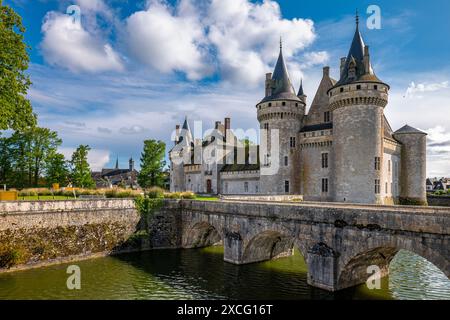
[{"x": 131, "y": 70}]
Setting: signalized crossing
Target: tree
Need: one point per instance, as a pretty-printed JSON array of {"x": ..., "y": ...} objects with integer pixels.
[
  {"x": 31, "y": 148},
  {"x": 81, "y": 173},
  {"x": 6, "y": 167},
  {"x": 57, "y": 170},
  {"x": 15, "y": 109},
  {"x": 152, "y": 164}
]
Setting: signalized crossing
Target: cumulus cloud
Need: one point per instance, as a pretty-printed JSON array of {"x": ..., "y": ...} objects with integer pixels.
[
  {"x": 104, "y": 130},
  {"x": 169, "y": 39},
  {"x": 69, "y": 45},
  {"x": 97, "y": 158},
  {"x": 237, "y": 39}
]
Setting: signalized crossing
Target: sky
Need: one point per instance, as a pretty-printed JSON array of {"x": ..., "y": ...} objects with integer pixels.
[{"x": 118, "y": 72}]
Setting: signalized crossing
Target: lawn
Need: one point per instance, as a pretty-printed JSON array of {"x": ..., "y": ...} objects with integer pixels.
[{"x": 206, "y": 198}]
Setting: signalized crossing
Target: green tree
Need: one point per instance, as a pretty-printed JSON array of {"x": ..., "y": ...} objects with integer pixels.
[
  {"x": 30, "y": 151},
  {"x": 6, "y": 166},
  {"x": 81, "y": 173},
  {"x": 152, "y": 164},
  {"x": 15, "y": 109},
  {"x": 57, "y": 170}
]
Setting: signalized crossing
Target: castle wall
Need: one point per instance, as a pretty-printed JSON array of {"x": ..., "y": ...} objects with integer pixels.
[
  {"x": 311, "y": 170},
  {"x": 235, "y": 182}
]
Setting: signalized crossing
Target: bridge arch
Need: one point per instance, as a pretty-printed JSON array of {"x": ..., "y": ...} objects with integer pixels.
[
  {"x": 353, "y": 268},
  {"x": 201, "y": 234},
  {"x": 270, "y": 244}
]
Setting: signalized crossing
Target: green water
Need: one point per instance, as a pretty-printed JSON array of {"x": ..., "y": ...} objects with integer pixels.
[{"x": 202, "y": 274}]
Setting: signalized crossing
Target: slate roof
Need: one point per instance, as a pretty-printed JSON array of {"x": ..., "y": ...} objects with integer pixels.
[
  {"x": 408, "y": 129},
  {"x": 317, "y": 127},
  {"x": 282, "y": 87}
]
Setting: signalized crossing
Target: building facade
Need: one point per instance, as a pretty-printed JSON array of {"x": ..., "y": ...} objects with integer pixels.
[{"x": 342, "y": 150}]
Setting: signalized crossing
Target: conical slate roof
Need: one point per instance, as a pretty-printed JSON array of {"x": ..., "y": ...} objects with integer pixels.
[
  {"x": 408, "y": 129},
  {"x": 300, "y": 90},
  {"x": 186, "y": 134},
  {"x": 356, "y": 56},
  {"x": 282, "y": 88}
]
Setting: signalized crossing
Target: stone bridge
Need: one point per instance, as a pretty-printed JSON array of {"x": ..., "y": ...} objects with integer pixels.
[{"x": 338, "y": 241}]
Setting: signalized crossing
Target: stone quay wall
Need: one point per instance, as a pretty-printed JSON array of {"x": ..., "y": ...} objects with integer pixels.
[
  {"x": 440, "y": 201},
  {"x": 36, "y": 233}
]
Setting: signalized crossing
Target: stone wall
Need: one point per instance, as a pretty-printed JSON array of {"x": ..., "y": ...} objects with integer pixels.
[
  {"x": 43, "y": 232},
  {"x": 440, "y": 201}
]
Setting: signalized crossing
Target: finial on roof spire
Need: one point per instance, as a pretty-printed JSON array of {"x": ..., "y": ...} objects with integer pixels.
[
  {"x": 281, "y": 43},
  {"x": 357, "y": 18}
]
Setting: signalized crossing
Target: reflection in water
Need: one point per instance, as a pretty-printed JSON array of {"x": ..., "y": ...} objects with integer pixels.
[{"x": 202, "y": 274}]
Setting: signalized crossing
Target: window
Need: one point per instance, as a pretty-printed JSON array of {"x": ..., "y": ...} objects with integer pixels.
[
  {"x": 246, "y": 186},
  {"x": 286, "y": 186},
  {"x": 386, "y": 188},
  {"x": 266, "y": 126},
  {"x": 326, "y": 116},
  {"x": 358, "y": 87},
  {"x": 270, "y": 104},
  {"x": 286, "y": 161},
  {"x": 377, "y": 186},
  {"x": 266, "y": 159},
  {"x": 296, "y": 104},
  {"x": 324, "y": 160},
  {"x": 256, "y": 189},
  {"x": 292, "y": 142},
  {"x": 377, "y": 163},
  {"x": 283, "y": 103},
  {"x": 342, "y": 89},
  {"x": 389, "y": 165},
  {"x": 325, "y": 185},
  {"x": 375, "y": 87}
]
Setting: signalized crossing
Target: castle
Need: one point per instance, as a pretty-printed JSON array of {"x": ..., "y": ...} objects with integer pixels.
[{"x": 343, "y": 150}]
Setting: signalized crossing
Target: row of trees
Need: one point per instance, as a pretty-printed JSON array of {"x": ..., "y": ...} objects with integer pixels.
[{"x": 30, "y": 158}]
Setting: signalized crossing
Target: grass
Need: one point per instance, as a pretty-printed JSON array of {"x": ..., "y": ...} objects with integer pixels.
[{"x": 206, "y": 198}]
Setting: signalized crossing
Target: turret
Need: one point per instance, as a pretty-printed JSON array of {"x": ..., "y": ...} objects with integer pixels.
[
  {"x": 131, "y": 164},
  {"x": 413, "y": 171},
  {"x": 280, "y": 114},
  {"x": 301, "y": 94},
  {"x": 357, "y": 102}
]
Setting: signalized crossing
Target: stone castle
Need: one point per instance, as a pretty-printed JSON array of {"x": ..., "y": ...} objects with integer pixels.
[{"x": 343, "y": 150}]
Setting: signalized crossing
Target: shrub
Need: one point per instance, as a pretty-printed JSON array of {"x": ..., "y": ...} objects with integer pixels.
[
  {"x": 173, "y": 195},
  {"x": 155, "y": 193},
  {"x": 187, "y": 195},
  {"x": 10, "y": 257}
]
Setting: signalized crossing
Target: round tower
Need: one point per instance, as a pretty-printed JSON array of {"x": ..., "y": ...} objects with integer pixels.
[
  {"x": 413, "y": 170},
  {"x": 357, "y": 102},
  {"x": 280, "y": 115}
]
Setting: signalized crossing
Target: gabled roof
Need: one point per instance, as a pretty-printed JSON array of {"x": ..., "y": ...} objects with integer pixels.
[{"x": 408, "y": 129}]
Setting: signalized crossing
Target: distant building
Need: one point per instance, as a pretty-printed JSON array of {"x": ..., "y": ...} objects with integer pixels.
[
  {"x": 110, "y": 178},
  {"x": 440, "y": 184},
  {"x": 429, "y": 185},
  {"x": 342, "y": 150}
]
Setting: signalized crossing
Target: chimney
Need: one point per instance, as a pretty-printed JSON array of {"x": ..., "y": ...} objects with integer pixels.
[
  {"x": 326, "y": 71},
  {"x": 131, "y": 164},
  {"x": 343, "y": 61},
  {"x": 227, "y": 126},
  {"x": 268, "y": 84},
  {"x": 177, "y": 133},
  {"x": 217, "y": 125},
  {"x": 366, "y": 59}
]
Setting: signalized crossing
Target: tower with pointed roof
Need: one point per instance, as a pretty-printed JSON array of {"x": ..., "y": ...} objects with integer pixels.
[
  {"x": 280, "y": 114},
  {"x": 357, "y": 102}
]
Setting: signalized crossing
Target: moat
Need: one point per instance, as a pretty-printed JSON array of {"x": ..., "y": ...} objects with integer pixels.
[{"x": 202, "y": 274}]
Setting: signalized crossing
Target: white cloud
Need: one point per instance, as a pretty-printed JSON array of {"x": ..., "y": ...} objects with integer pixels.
[
  {"x": 71, "y": 46},
  {"x": 97, "y": 158},
  {"x": 414, "y": 88},
  {"x": 238, "y": 39},
  {"x": 438, "y": 152},
  {"x": 169, "y": 39}
]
